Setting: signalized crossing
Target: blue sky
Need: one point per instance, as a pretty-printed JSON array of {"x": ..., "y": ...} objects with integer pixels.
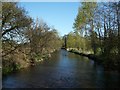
[{"x": 61, "y": 15}]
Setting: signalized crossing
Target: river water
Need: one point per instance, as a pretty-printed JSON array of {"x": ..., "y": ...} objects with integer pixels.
[{"x": 63, "y": 70}]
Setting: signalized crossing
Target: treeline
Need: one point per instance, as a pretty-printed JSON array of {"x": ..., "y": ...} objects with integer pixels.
[
  {"x": 77, "y": 42},
  {"x": 98, "y": 25},
  {"x": 25, "y": 40}
]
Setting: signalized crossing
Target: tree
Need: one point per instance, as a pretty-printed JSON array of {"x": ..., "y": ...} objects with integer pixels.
[
  {"x": 116, "y": 8},
  {"x": 85, "y": 18},
  {"x": 42, "y": 39},
  {"x": 14, "y": 18},
  {"x": 101, "y": 26},
  {"x": 14, "y": 21}
]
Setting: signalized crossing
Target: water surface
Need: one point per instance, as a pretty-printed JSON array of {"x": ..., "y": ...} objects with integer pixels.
[{"x": 63, "y": 70}]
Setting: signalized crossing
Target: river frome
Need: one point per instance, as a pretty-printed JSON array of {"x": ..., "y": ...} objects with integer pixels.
[{"x": 63, "y": 70}]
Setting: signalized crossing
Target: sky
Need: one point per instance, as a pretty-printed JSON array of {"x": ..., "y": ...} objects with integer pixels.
[{"x": 60, "y": 15}]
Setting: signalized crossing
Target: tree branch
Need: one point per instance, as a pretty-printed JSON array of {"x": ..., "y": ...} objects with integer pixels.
[{"x": 8, "y": 30}]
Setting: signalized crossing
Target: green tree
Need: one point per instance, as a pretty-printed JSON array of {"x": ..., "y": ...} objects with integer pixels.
[
  {"x": 14, "y": 21},
  {"x": 85, "y": 18},
  {"x": 99, "y": 23}
]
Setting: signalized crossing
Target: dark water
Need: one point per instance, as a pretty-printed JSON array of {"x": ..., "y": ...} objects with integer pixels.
[{"x": 61, "y": 71}]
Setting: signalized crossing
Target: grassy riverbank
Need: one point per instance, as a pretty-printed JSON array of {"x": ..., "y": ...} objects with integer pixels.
[{"x": 100, "y": 59}]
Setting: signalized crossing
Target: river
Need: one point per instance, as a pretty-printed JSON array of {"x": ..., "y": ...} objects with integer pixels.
[{"x": 63, "y": 70}]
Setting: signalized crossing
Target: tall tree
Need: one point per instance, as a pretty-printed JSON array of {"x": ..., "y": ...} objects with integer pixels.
[
  {"x": 85, "y": 18},
  {"x": 14, "y": 21}
]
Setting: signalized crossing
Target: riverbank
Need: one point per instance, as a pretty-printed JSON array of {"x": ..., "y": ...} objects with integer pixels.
[
  {"x": 63, "y": 70},
  {"x": 90, "y": 56},
  {"x": 13, "y": 66},
  {"x": 99, "y": 59}
]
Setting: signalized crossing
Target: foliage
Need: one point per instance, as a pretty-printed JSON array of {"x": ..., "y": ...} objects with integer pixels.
[
  {"x": 75, "y": 41},
  {"x": 101, "y": 23},
  {"x": 42, "y": 39},
  {"x": 23, "y": 39}
]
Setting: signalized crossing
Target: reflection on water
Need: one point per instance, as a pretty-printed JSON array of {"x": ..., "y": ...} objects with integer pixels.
[{"x": 64, "y": 69}]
